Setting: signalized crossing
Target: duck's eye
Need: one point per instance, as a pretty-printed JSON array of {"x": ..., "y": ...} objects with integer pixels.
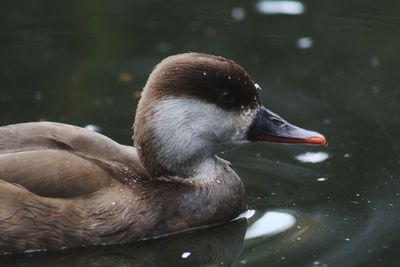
[{"x": 227, "y": 96}]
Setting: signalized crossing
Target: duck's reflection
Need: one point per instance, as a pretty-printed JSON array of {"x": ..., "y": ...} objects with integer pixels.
[{"x": 218, "y": 246}]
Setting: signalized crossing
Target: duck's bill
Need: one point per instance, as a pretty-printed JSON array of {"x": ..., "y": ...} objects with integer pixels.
[{"x": 268, "y": 126}]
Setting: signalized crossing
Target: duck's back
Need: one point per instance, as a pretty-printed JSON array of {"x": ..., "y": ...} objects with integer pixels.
[{"x": 59, "y": 160}]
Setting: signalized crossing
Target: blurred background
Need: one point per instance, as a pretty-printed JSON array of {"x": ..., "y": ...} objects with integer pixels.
[{"x": 330, "y": 66}]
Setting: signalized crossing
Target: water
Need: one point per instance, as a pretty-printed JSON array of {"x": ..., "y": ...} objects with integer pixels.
[{"x": 325, "y": 65}]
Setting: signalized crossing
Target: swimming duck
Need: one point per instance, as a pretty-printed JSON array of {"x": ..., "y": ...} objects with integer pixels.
[{"x": 65, "y": 186}]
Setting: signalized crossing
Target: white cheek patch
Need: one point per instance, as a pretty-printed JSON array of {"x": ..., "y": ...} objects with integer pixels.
[
  {"x": 242, "y": 122},
  {"x": 187, "y": 128}
]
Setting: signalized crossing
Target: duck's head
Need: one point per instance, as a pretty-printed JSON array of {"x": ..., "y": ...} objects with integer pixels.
[{"x": 197, "y": 105}]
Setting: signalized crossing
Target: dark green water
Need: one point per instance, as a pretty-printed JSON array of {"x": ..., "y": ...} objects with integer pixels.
[{"x": 333, "y": 67}]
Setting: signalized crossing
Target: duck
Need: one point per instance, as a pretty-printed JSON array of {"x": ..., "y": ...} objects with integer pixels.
[{"x": 63, "y": 186}]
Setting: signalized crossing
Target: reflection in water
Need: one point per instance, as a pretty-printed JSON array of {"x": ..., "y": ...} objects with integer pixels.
[
  {"x": 280, "y": 7},
  {"x": 312, "y": 157},
  {"x": 238, "y": 13},
  {"x": 185, "y": 255},
  {"x": 86, "y": 64},
  {"x": 270, "y": 223},
  {"x": 304, "y": 43},
  {"x": 218, "y": 246},
  {"x": 247, "y": 214}
]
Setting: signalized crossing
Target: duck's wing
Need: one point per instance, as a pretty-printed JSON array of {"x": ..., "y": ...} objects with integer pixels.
[
  {"x": 30, "y": 222},
  {"x": 59, "y": 160}
]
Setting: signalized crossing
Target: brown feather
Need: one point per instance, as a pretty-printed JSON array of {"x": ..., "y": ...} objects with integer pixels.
[{"x": 65, "y": 186}]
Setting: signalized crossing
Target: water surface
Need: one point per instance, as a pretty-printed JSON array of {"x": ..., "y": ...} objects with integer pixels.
[{"x": 331, "y": 66}]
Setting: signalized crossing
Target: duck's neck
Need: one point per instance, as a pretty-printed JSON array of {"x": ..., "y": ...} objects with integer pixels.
[
  {"x": 183, "y": 160},
  {"x": 178, "y": 150}
]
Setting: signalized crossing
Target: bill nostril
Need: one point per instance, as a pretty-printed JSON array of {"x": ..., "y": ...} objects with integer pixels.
[{"x": 277, "y": 122}]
